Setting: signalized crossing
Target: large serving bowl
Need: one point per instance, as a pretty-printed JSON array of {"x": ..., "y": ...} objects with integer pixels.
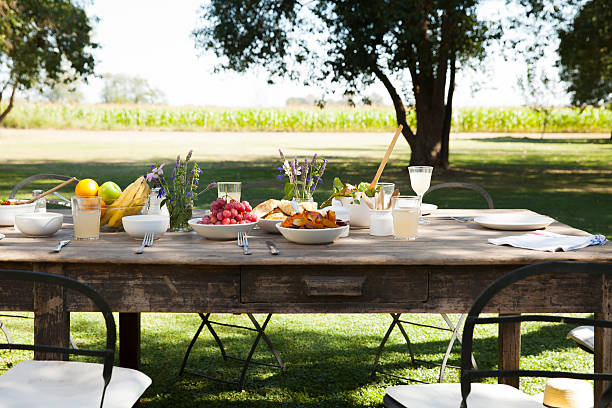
[
  {"x": 8, "y": 212},
  {"x": 268, "y": 225},
  {"x": 111, "y": 218},
  {"x": 220, "y": 232},
  {"x": 311, "y": 236},
  {"x": 136, "y": 226},
  {"x": 39, "y": 224}
]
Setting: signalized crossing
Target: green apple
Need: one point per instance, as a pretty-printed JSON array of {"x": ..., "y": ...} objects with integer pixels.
[{"x": 109, "y": 192}]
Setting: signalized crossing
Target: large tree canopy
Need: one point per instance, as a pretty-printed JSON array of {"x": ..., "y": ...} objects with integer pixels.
[
  {"x": 42, "y": 42},
  {"x": 355, "y": 42},
  {"x": 586, "y": 54}
]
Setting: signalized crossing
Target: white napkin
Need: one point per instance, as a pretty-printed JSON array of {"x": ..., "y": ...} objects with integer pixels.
[{"x": 549, "y": 241}]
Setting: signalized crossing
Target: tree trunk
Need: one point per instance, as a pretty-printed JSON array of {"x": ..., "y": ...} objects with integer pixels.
[
  {"x": 427, "y": 149},
  {"x": 10, "y": 105}
]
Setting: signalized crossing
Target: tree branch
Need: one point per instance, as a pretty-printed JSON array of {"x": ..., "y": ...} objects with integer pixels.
[
  {"x": 10, "y": 105},
  {"x": 400, "y": 109}
]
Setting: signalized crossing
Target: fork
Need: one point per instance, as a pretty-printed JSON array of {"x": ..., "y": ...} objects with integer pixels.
[
  {"x": 243, "y": 242},
  {"x": 147, "y": 241}
]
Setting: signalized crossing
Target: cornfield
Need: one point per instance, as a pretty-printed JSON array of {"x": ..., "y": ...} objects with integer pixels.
[{"x": 525, "y": 120}]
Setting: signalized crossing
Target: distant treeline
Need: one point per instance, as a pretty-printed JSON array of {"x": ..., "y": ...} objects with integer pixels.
[{"x": 363, "y": 119}]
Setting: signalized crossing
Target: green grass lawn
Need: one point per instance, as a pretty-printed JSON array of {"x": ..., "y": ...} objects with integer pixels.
[{"x": 327, "y": 356}]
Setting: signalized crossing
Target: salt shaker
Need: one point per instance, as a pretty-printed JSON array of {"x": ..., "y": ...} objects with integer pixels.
[
  {"x": 41, "y": 203},
  {"x": 381, "y": 223}
]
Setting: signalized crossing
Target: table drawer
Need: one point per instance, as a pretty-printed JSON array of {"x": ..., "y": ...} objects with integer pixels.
[{"x": 325, "y": 284}]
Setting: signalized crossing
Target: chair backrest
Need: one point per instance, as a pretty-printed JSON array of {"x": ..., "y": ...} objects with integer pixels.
[
  {"x": 108, "y": 354},
  {"x": 468, "y": 372},
  {"x": 468, "y": 186},
  {"x": 37, "y": 177}
]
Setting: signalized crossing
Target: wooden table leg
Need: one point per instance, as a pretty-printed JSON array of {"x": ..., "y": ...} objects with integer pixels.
[
  {"x": 129, "y": 340},
  {"x": 51, "y": 322},
  {"x": 509, "y": 350},
  {"x": 603, "y": 338}
]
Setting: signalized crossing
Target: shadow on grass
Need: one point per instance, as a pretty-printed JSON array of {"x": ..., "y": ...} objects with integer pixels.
[{"x": 509, "y": 139}]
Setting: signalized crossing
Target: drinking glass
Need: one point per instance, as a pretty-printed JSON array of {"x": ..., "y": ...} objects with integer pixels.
[
  {"x": 386, "y": 190},
  {"x": 86, "y": 217},
  {"x": 229, "y": 190},
  {"x": 420, "y": 178},
  {"x": 405, "y": 211}
]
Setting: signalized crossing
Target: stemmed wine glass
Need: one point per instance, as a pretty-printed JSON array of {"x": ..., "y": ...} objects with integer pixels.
[{"x": 420, "y": 178}]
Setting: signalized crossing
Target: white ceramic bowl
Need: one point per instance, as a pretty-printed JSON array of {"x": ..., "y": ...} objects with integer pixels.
[
  {"x": 220, "y": 232},
  {"x": 269, "y": 225},
  {"x": 311, "y": 236},
  {"x": 137, "y": 226},
  {"x": 8, "y": 212},
  {"x": 39, "y": 224},
  {"x": 358, "y": 213}
]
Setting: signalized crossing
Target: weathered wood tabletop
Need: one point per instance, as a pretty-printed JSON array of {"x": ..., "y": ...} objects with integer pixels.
[{"x": 442, "y": 271}]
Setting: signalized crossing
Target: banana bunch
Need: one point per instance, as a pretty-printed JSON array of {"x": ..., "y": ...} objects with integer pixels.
[{"x": 130, "y": 202}]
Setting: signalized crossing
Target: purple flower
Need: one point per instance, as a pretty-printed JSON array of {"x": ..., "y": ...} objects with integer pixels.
[
  {"x": 280, "y": 176},
  {"x": 161, "y": 193},
  {"x": 156, "y": 173},
  {"x": 211, "y": 185},
  {"x": 281, "y": 155},
  {"x": 178, "y": 159},
  {"x": 314, "y": 160}
]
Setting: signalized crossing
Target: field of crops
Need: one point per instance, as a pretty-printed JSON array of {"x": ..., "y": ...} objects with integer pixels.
[{"x": 47, "y": 115}]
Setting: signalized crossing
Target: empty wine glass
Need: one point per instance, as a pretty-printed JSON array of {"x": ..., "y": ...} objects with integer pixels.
[{"x": 420, "y": 178}]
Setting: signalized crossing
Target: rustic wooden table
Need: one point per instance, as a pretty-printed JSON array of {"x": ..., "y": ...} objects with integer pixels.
[{"x": 442, "y": 271}]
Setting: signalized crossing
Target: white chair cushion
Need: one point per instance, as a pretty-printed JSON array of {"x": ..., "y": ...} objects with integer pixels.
[
  {"x": 449, "y": 396},
  {"x": 66, "y": 384},
  {"x": 584, "y": 335}
]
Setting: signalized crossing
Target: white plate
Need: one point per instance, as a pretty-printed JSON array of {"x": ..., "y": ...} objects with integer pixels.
[
  {"x": 269, "y": 225},
  {"x": 220, "y": 232},
  {"x": 311, "y": 236},
  {"x": 1, "y": 236},
  {"x": 427, "y": 209},
  {"x": 514, "y": 222}
]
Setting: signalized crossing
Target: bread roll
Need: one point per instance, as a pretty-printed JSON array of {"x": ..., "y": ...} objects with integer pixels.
[{"x": 265, "y": 208}]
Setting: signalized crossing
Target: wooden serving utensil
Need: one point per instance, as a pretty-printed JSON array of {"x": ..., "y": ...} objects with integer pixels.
[
  {"x": 383, "y": 163},
  {"x": 54, "y": 189},
  {"x": 396, "y": 193}
]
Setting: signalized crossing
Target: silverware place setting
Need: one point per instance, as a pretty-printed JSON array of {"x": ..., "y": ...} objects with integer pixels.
[
  {"x": 147, "y": 241},
  {"x": 244, "y": 243},
  {"x": 60, "y": 245}
]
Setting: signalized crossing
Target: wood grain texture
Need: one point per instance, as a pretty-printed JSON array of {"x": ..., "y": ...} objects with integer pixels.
[
  {"x": 603, "y": 338},
  {"x": 51, "y": 321},
  {"x": 509, "y": 350}
]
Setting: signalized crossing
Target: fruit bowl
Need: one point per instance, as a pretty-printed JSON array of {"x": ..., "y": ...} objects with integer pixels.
[
  {"x": 111, "y": 218},
  {"x": 220, "y": 232},
  {"x": 8, "y": 212}
]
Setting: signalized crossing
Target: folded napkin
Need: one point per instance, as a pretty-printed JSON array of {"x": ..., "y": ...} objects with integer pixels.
[{"x": 549, "y": 241}]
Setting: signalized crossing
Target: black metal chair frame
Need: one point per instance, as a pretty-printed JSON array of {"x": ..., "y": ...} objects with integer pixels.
[
  {"x": 453, "y": 328},
  {"x": 108, "y": 354},
  {"x": 259, "y": 329},
  {"x": 56, "y": 202},
  {"x": 36, "y": 177},
  {"x": 469, "y": 373}
]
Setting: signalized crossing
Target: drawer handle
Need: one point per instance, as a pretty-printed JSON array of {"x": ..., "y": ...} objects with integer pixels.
[{"x": 334, "y": 286}]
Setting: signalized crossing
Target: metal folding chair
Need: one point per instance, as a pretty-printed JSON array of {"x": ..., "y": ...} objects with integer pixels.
[
  {"x": 453, "y": 328},
  {"x": 62, "y": 201},
  {"x": 259, "y": 329},
  {"x": 490, "y": 395}
]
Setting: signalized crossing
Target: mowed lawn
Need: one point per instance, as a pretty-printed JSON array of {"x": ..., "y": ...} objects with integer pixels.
[{"x": 328, "y": 356}]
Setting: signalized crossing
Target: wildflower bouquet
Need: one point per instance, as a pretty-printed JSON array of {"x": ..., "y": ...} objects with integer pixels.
[
  {"x": 179, "y": 190},
  {"x": 303, "y": 177}
]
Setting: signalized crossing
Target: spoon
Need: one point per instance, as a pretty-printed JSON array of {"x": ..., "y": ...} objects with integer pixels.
[{"x": 61, "y": 245}]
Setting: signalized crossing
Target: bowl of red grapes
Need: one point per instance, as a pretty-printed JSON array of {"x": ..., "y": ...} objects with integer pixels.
[{"x": 225, "y": 220}]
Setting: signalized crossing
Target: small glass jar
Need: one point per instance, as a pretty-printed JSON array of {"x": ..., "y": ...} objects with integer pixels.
[
  {"x": 381, "y": 223},
  {"x": 41, "y": 203}
]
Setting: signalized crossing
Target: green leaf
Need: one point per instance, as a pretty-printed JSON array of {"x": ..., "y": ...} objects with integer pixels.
[
  {"x": 289, "y": 188},
  {"x": 338, "y": 185}
]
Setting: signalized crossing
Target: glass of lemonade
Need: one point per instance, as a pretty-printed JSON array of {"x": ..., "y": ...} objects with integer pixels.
[
  {"x": 229, "y": 190},
  {"x": 406, "y": 211},
  {"x": 86, "y": 217},
  {"x": 420, "y": 179}
]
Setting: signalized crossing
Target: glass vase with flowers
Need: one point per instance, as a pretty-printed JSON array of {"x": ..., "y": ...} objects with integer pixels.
[
  {"x": 303, "y": 178},
  {"x": 178, "y": 191}
]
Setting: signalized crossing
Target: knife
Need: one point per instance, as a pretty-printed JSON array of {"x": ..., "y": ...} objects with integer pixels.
[{"x": 272, "y": 247}]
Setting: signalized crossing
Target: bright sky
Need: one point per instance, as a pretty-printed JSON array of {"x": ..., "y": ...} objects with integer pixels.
[{"x": 152, "y": 39}]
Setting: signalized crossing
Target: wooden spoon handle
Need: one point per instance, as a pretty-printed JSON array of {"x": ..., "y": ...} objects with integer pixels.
[
  {"x": 54, "y": 189},
  {"x": 383, "y": 163}
]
